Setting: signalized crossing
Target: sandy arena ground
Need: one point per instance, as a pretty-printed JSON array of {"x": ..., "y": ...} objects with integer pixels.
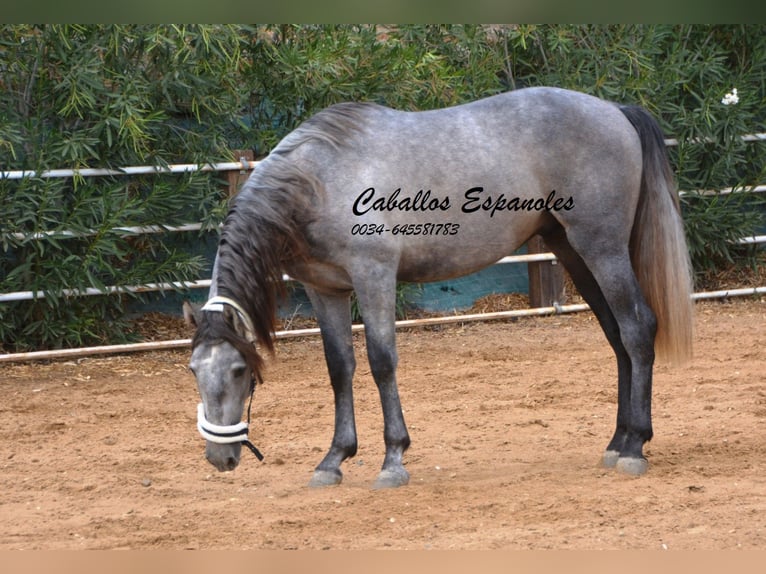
[{"x": 508, "y": 421}]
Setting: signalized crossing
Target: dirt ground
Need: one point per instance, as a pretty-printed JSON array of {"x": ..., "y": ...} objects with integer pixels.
[{"x": 508, "y": 421}]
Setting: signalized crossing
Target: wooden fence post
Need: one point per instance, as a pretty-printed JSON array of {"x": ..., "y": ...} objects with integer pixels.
[
  {"x": 236, "y": 178},
  {"x": 546, "y": 278}
]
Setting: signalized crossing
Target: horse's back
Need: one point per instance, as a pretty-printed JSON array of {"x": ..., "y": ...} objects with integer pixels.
[
  {"x": 521, "y": 143},
  {"x": 445, "y": 192}
]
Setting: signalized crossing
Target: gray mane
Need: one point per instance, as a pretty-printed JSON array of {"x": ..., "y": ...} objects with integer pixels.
[
  {"x": 266, "y": 219},
  {"x": 333, "y": 126}
]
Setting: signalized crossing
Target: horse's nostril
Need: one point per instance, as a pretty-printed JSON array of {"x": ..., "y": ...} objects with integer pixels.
[{"x": 224, "y": 464}]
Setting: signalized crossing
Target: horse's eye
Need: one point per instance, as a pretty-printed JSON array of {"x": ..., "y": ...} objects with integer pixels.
[{"x": 238, "y": 372}]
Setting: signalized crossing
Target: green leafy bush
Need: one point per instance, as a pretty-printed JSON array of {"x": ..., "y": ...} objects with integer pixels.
[{"x": 104, "y": 96}]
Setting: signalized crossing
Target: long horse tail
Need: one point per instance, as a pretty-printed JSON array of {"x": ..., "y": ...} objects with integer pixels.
[{"x": 658, "y": 247}]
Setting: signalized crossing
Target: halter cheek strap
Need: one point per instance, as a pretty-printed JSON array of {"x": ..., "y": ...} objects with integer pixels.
[
  {"x": 229, "y": 434},
  {"x": 217, "y": 304}
]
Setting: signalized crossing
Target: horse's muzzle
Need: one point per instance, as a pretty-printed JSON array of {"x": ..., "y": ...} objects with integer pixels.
[{"x": 224, "y": 457}]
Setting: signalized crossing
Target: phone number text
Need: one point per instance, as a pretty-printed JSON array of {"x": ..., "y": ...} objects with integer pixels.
[{"x": 406, "y": 229}]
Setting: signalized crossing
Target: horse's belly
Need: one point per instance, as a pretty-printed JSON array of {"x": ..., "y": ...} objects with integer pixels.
[{"x": 436, "y": 258}]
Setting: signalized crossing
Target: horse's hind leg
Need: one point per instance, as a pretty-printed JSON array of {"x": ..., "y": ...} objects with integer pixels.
[
  {"x": 638, "y": 326},
  {"x": 333, "y": 313},
  {"x": 591, "y": 292},
  {"x": 603, "y": 273}
]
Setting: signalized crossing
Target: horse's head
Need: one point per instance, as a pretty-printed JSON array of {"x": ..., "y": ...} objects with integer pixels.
[{"x": 226, "y": 365}]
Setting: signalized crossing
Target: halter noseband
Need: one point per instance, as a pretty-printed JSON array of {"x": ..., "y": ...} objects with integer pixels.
[{"x": 229, "y": 434}]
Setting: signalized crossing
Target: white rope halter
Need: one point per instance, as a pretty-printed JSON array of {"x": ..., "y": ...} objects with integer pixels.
[
  {"x": 221, "y": 434},
  {"x": 226, "y": 434}
]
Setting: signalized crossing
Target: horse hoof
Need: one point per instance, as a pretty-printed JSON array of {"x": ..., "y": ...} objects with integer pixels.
[
  {"x": 632, "y": 466},
  {"x": 324, "y": 478},
  {"x": 609, "y": 460},
  {"x": 391, "y": 479}
]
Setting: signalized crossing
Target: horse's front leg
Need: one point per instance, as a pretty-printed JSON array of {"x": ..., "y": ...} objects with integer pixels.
[
  {"x": 334, "y": 316},
  {"x": 377, "y": 301},
  {"x": 382, "y": 356}
]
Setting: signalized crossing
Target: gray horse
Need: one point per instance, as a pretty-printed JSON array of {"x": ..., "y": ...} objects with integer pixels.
[{"x": 361, "y": 196}]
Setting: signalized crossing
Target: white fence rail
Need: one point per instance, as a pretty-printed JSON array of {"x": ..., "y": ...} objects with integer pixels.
[
  {"x": 134, "y": 170},
  {"x": 203, "y": 284},
  {"x": 195, "y": 167},
  {"x": 311, "y": 332}
]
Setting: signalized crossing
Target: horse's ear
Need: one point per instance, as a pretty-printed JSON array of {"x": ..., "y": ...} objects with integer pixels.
[
  {"x": 191, "y": 314},
  {"x": 231, "y": 316},
  {"x": 238, "y": 323}
]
